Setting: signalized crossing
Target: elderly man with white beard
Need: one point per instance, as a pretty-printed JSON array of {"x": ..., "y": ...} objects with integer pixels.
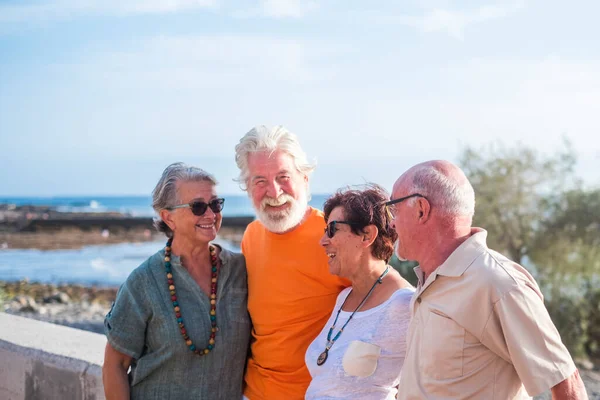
[{"x": 290, "y": 290}]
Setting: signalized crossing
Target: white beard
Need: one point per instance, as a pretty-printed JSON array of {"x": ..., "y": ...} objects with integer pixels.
[{"x": 284, "y": 220}]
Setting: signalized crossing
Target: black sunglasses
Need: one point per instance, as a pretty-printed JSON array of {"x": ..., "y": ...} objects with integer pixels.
[
  {"x": 199, "y": 207},
  {"x": 330, "y": 229}
]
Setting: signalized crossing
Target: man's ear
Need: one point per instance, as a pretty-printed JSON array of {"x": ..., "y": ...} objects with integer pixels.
[
  {"x": 369, "y": 234},
  {"x": 424, "y": 209}
]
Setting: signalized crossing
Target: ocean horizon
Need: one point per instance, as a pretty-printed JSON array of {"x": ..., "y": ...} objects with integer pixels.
[{"x": 136, "y": 206}]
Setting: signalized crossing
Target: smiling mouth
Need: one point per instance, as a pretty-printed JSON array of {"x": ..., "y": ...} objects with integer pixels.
[
  {"x": 276, "y": 205},
  {"x": 331, "y": 256},
  {"x": 207, "y": 226}
]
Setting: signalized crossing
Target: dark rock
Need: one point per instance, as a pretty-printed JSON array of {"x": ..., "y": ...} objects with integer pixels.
[
  {"x": 25, "y": 304},
  {"x": 61, "y": 298}
]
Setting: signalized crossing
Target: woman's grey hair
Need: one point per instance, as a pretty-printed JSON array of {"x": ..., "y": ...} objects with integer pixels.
[
  {"x": 453, "y": 197},
  {"x": 164, "y": 194},
  {"x": 261, "y": 138}
]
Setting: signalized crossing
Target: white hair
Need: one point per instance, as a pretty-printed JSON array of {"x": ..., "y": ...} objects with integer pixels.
[
  {"x": 453, "y": 197},
  {"x": 261, "y": 138}
]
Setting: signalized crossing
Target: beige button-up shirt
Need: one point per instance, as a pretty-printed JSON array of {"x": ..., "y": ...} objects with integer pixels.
[{"x": 480, "y": 330}]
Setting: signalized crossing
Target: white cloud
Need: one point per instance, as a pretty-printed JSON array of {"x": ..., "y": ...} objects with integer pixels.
[
  {"x": 276, "y": 9},
  {"x": 287, "y": 8},
  {"x": 454, "y": 22},
  {"x": 62, "y": 9},
  {"x": 220, "y": 62}
]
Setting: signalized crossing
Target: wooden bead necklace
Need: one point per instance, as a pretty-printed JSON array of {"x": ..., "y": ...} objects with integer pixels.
[{"x": 213, "y": 300}]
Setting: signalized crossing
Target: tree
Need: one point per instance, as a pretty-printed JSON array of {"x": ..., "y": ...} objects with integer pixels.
[
  {"x": 567, "y": 245},
  {"x": 405, "y": 268},
  {"x": 512, "y": 187}
]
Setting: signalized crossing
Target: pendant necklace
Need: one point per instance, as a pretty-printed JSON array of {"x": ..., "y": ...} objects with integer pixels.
[{"x": 323, "y": 356}]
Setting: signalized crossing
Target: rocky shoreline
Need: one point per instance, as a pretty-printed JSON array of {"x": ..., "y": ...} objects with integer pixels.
[{"x": 76, "y": 306}]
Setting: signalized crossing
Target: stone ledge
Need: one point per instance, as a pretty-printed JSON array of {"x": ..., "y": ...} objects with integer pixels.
[{"x": 47, "y": 361}]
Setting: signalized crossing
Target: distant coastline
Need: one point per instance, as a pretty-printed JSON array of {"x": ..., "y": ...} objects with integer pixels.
[{"x": 46, "y": 228}]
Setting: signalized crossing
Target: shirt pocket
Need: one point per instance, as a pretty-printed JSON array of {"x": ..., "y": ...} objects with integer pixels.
[
  {"x": 360, "y": 359},
  {"x": 443, "y": 344}
]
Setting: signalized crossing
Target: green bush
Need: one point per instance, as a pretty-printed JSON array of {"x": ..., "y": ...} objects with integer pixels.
[
  {"x": 577, "y": 319},
  {"x": 592, "y": 344},
  {"x": 3, "y": 298},
  {"x": 405, "y": 268},
  {"x": 570, "y": 318}
]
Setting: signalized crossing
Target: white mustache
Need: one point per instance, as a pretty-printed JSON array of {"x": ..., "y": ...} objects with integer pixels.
[{"x": 281, "y": 200}]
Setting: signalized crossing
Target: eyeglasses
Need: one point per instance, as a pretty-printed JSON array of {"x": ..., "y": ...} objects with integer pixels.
[
  {"x": 390, "y": 203},
  {"x": 330, "y": 229},
  {"x": 199, "y": 207}
]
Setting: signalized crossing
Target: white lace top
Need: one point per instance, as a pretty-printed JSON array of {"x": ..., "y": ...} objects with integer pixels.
[{"x": 366, "y": 360}]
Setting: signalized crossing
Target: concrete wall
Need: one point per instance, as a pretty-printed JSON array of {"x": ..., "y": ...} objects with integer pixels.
[{"x": 39, "y": 361}]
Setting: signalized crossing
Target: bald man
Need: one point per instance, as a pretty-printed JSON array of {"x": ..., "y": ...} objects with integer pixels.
[{"x": 479, "y": 327}]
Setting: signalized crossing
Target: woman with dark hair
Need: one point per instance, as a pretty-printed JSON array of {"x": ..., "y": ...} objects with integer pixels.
[
  {"x": 360, "y": 351},
  {"x": 179, "y": 327}
]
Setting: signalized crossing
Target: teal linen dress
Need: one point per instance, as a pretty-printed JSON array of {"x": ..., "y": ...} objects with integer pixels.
[{"x": 142, "y": 325}]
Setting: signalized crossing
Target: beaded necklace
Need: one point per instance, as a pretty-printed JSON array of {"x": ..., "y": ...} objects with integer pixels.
[
  {"x": 323, "y": 356},
  {"x": 213, "y": 300}
]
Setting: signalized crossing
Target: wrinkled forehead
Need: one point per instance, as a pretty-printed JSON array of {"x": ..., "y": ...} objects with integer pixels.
[
  {"x": 268, "y": 163},
  {"x": 187, "y": 191}
]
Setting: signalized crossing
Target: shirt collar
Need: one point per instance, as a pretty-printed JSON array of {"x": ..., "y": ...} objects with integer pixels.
[
  {"x": 420, "y": 275},
  {"x": 464, "y": 255}
]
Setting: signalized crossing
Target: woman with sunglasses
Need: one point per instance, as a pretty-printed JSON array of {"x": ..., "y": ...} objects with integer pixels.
[
  {"x": 360, "y": 351},
  {"x": 180, "y": 320}
]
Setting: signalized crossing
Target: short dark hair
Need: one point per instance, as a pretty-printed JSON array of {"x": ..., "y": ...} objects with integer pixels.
[{"x": 366, "y": 207}]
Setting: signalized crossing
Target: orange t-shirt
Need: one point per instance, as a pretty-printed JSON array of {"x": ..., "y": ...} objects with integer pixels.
[{"x": 290, "y": 297}]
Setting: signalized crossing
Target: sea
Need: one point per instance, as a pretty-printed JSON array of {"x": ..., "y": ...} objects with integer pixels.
[{"x": 100, "y": 265}]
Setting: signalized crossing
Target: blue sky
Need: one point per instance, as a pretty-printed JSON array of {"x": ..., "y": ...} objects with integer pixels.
[{"x": 97, "y": 97}]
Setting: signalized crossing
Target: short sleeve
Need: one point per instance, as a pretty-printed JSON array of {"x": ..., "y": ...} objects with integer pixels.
[
  {"x": 125, "y": 324},
  {"x": 521, "y": 332}
]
